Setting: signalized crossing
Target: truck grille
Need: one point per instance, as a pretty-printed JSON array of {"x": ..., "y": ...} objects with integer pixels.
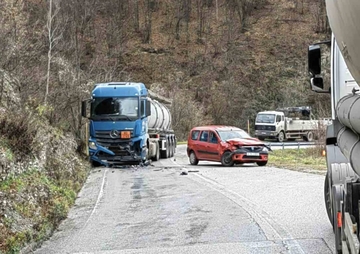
[
  {"x": 265, "y": 128},
  {"x": 116, "y": 145},
  {"x": 104, "y": 138}
]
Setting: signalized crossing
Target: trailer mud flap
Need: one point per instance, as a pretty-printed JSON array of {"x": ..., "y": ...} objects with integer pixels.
[
  {"x": 350, "y": 243},
  {"x": 337, "y": 193}
]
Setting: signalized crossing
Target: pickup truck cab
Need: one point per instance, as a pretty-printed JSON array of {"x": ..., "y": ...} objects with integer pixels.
[{"x": 225, "y": 144}]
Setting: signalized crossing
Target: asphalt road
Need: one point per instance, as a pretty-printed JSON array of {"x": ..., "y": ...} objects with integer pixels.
[{"x": 212, "y": 209}]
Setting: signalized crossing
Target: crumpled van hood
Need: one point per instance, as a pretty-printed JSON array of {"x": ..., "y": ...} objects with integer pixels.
[{"x": 245, "y": 141}]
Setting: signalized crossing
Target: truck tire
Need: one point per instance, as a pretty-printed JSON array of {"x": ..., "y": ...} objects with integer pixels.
[
  {"x": 157, "y": 154},
  {"x": 309, "y": 136},
  {"x": 172, "y": 149},
  {"x": 327, "y": 198},
  {"x": 226, "y": 159},
  {"x": 281, "y": 137},
  {"x": 164, "y": 153}
]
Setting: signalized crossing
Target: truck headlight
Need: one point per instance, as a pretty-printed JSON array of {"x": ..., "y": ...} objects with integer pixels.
[
  {"x": 265, "y": 149},
  {"x": 92, "y": 145}
]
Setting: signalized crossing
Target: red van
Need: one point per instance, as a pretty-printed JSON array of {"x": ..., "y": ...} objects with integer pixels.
[{"x": 225, "y": 144}]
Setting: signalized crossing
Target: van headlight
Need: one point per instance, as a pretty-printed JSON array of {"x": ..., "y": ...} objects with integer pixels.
[
  {"x": 92, "y": 145},
  {"x": 265, "y": 149}
]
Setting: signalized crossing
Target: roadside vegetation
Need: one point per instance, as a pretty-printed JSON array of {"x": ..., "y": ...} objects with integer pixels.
[
  {"x": 298, "y": 159},
  {"x": 220, "y": 61}
]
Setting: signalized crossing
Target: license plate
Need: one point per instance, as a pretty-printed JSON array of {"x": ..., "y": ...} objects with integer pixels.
[
  {"x": 252, "y": 154},
  {"x": 263, "y": 132},
  {"x": 125, "y": 134}
]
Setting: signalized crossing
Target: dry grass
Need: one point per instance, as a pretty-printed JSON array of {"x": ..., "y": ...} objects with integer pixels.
[{"x": 298, "y": 159}]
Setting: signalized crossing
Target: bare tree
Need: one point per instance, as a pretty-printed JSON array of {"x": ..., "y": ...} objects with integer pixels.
[{"x": 54, "y": 33}]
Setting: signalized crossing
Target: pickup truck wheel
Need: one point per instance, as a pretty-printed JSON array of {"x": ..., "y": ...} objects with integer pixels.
[
  {"x": 281, "y": 136},
  {"x": 192, "y": 158},
  {"x": 226, "y": 159},
  {"x": 309, "y": 136},
  {"x": 261, "y": 163}
]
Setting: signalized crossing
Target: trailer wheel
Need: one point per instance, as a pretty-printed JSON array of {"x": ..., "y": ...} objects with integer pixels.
[
  {"x": 172, "y": 148},
  {"x": 281, "y": 136},
  {"x": 164, "y": 153},
  {"x": 328, "y": 199},
  {"x": 157, "y": 154}
]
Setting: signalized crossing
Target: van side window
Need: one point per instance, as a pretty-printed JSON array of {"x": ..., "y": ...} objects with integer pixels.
[
  {"x": 278, "y": 118},
  {"x": 195, "y": 135},
  {"x": 204, "y": 136},
  {"x": 212, "y": 138}
]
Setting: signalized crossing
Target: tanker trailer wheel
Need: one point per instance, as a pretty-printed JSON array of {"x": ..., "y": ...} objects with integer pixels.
[
  {"x": 164, "y": 153},
  {"x": 327, "y": 198},
  {"x": 172, "y": 148},
  {"x": 157, "y": 154},
  {"x": 192, "y": 158},
  {"x": 309, "y": 136},
  {"x": 281, "y": 136}
]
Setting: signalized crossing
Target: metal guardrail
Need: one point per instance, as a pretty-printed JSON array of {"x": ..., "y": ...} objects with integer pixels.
[{"x": 289, "y": 144}]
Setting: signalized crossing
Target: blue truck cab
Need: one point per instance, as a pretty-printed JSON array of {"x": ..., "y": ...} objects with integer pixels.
[{"x": 118, "y": 123}]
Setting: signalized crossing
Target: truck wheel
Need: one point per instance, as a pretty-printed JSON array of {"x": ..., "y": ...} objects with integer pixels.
[
  {"x": 281, "y": 137},
  {"x": 157, "y": 154},
  {"x": 226, "y": 159},
  {"x": 328, "y": 199},
  {"x": 192, "y": 158},
  {"x": 172, "y": 149},
  {"x": 309, "y": 136},
  {"x": 261, "y": 163},
  {"x": 95, "y": 164},
  {"x": 164, "y": 153}
]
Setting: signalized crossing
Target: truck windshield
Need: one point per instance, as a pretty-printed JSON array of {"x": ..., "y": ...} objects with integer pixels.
[
  {"x": 226, "y": 135},
  {"x": 265, "y": 118},
  {"x": 124, "y": 108}
]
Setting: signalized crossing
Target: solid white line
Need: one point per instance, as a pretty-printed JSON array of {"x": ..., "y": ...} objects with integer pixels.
[{"x": 101, "y": 192}]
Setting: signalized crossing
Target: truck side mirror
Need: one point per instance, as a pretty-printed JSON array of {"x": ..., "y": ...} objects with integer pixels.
[
  {"x": 84, "y": 105},
  {"x": 148, "y": 108},
  {"x": 314, "y": 60},
  {"x": 317, "y": 85}
]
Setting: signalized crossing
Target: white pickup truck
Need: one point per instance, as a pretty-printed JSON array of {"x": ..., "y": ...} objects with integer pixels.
[{"x": 288, "y": 124}]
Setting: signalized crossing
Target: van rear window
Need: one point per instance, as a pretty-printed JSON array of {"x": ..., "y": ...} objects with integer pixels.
[{"x": 195, "y": 135}]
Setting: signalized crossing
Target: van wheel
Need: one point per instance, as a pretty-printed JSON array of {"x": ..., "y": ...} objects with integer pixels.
[
  {"x": 261, "y": 163},
  {"x": 192, "y": 158},
  {"x": 226, "y": 159}
]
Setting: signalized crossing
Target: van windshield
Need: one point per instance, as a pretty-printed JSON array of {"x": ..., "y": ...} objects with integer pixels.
[
  {"x": 265, "y": 118},
  {"x": 226, "y": 135}
]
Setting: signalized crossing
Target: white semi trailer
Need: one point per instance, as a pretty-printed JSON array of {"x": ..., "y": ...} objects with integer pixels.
[
  {"x": 342, "y": 184},
  {"x": 162, "y": 139}
]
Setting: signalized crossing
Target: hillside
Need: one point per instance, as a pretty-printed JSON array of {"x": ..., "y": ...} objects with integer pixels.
[{"x": 220, "y": 60}]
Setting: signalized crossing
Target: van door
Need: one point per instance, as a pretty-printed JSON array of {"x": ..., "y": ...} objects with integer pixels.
[
  {"x": 213, "y": 147},
  {"x": 202, "y": 146}
]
